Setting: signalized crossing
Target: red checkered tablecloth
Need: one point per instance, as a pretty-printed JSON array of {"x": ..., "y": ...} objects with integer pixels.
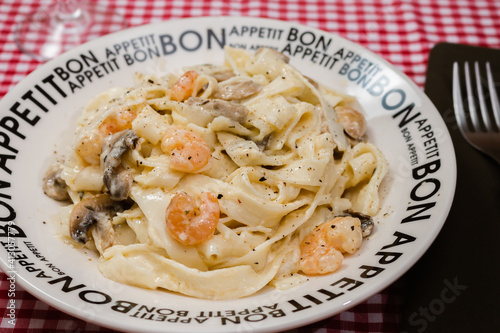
[{"x": 401, "y": 31}]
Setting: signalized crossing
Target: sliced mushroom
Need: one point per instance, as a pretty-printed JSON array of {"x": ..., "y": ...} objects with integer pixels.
[
  {"x": 218, "y": 107},
  {"x": 234, "y": 89},
  {"x": 53, "y": 185},
  {"x": 366, "y": 222},
  {"x": 223, "y": 75},
  {"x": 98, "y": 209},
  {"x": 280, "y": 55},
  {"x": 264, "y": 143},
  {"x": 118, "y": 180},
  {"x": 352, "y": 121},
  {"x": 220, "y": 73}
]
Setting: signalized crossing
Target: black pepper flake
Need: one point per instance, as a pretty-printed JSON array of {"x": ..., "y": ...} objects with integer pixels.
[
  {"x": 151, "y": 81},
  {"x": 219, "y": 196},
  {"x": 352, "y": 227},
  {"x": 189, "y": 157},
  {"x": 333, "y": 226},
  {"x": 262, "y": 179}
]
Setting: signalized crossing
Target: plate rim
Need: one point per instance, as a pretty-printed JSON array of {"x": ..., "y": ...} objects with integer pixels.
[{"x": 39, "y": 293}]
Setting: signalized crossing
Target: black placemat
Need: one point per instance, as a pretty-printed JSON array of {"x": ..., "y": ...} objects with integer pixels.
[{"x": 455, "y": 286}]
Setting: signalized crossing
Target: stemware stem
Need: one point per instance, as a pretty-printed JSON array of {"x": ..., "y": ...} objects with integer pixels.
[{"x": 68, "y": 10}]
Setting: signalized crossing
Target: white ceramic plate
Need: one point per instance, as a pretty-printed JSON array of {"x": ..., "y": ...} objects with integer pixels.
[{"x": 37, "y": 118}]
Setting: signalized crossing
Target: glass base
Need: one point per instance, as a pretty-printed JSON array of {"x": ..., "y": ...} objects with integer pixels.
[{"x": 48, "y": 33}]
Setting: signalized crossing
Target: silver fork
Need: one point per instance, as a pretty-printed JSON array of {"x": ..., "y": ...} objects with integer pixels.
[{"x": 481, "y": 128}]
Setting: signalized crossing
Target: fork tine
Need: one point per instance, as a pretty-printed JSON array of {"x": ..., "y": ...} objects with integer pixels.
[
  {"x": 470, "y": 99},
  {"x": 485, "y": 140},
  {"x": 482, "y": 101},
  {"x": 495, "y": 104},
  {"x": 458, "y": 105}
]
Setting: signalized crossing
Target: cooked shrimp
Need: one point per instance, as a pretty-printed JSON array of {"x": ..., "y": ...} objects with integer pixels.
[
  {"x": 90, "y": 147},
  {"x": 321, "y": 250},
  {"x": 188, "y": 151},
  {"x": 118, "y": 121},
  {"x": 184, "y": 87},
  {"x": 190, "y": 224}
]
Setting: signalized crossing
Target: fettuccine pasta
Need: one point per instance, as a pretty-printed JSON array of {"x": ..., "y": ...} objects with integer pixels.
[{"x": 221, "y": 180}]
